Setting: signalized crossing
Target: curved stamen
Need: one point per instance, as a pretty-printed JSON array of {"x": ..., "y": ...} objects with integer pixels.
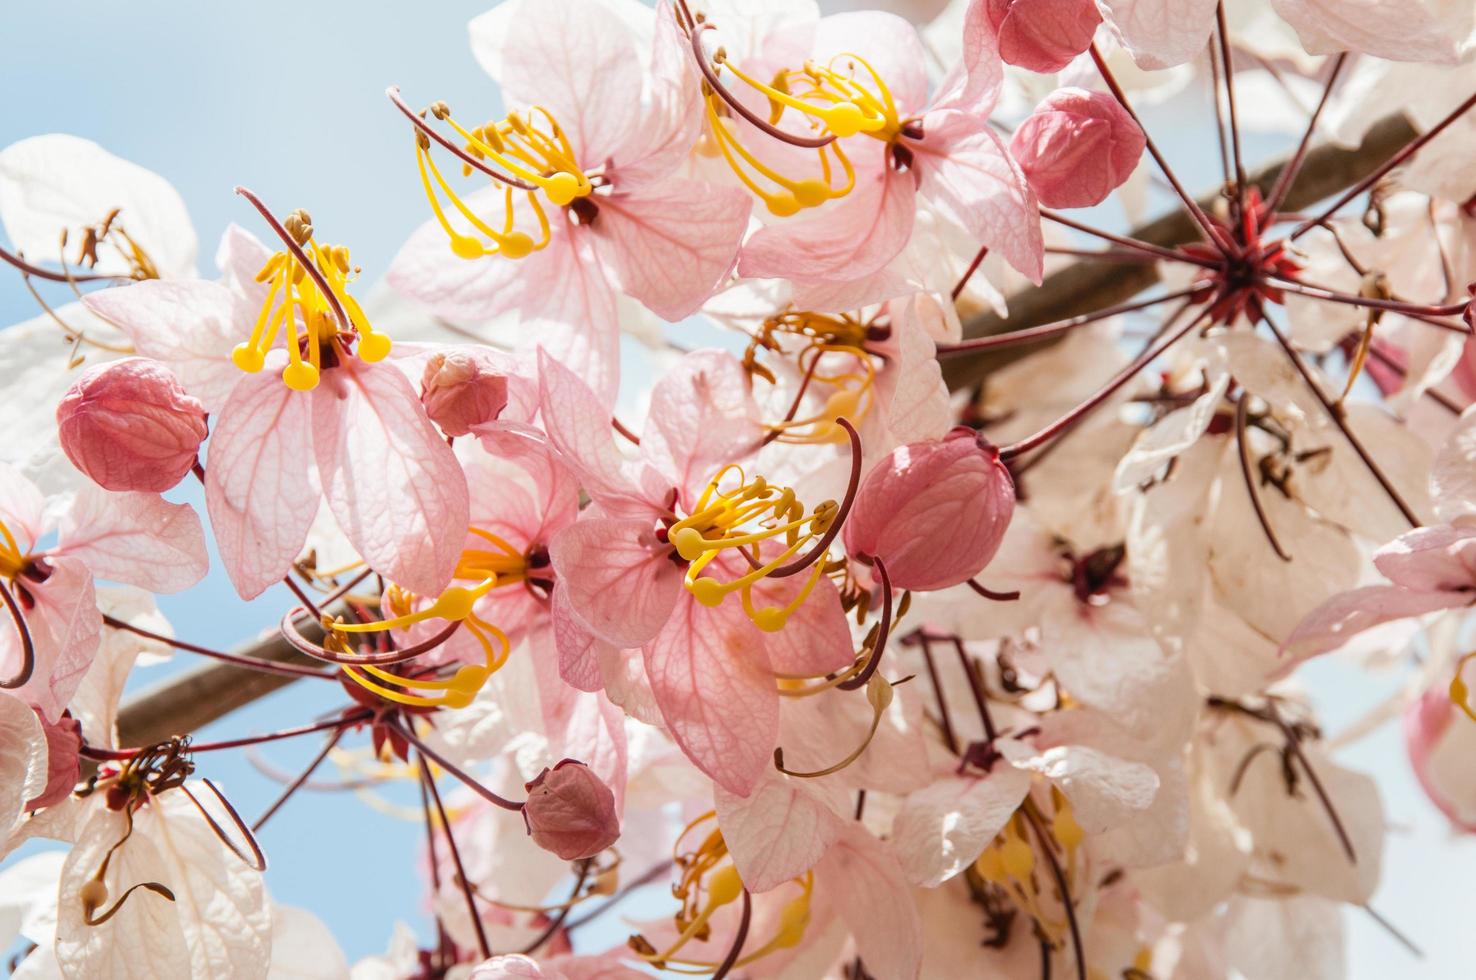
[
  {"x": 394, "y": 96},
  {"x": 27, "y": 269},
  {"x": 737, "y": 106},
  {"x": 1010, "y": 596},
  {"x": 308, "y": 265},
  {"x": 257, "y": 860},
  {"x": 28, "y": 646},
  {"x": 301, "y": 643},
  {"x": 739, "y": 938},
  {"x": 404, "y": 732},
  {"x": 884, "y": 629},
  {"x": 821, "y": 546}
]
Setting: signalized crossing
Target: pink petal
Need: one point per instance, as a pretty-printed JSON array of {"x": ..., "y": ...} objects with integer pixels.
[
  {"x": 189, "y": 324},
  {"x": 620, "y": 581},
  {"x": 578, "y": 424},
  {"x": 138, "y": 538},
  {"x": 702, "y": 416},
  {"x": 1160, "y": 33},
  {"x": 965, "y": 168},
  {"x": 1431, "y": 559},
  {"x": 22, "y": 507},
  {"x": 1401, "y": 31},
  {"x": 846, "y": 240},
  {"x": 716, "y": 691},
  {"x": 470, "y": 291},
  {"x": 942, "y": 828},
  {"x": 578, "y": 648},
  {"x": 394, "y": 486},
  {"x": 864, "y": 880},
  {"x": 671, "y": 246},
  {"x": 63, "y": 764},
  {"x": 817, "y": 637},
  {"x": 1344, "y": 616},
  {"x": 65, "y": 627},
  {"x": 778, "y": 831},
  {"x": 577, "y": 59},
  {"x": 569, "y": 310},
  {"x": 260, "y": 486}
]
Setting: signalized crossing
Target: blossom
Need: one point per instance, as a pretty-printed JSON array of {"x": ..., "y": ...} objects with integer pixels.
[
  {"x": 571, "y": 812},
  {"x": 1041, "y": 35},
  {"x": 130, "y": 426},
  {"x": 460, "y": 392},
  {"x": 613, "y": 217}
]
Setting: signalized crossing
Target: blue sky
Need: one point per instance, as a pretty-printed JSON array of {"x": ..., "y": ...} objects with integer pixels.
[{"x": 287, "y": 97}]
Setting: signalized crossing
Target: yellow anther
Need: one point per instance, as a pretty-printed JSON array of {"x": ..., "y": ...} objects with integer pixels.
[
  {"x": 782, "y": 205},
  {"x": 723, "y": 886},
  {"x": 990, "y": 865},
  {"x": 770, "y": 619},
  {"x": 793, "y": 921},
  {"x": 1066, "y": 830},
  {"x": 373, "y": 347},
  {"x": 846, "y": 119},
  {"x": 689, "y": 542},
  {"x": 707, "y": 591},
  {"x": 1460, "y": 694},
  {"x": 563, "y": 188},
  {"x": 454, "y": 604},
  {"x": 300, "y": 376},
  {"x": 247, "y": 358},
  {"x": 466, "y": 247},
  {"x": 516, "y": 245},
  {"x": 811, "y": 193},
  {"x": 1017, "y": 857}
]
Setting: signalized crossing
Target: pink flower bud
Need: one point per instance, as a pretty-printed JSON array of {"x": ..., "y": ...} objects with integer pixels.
[
  {"x": 571, "y": 812},
  {"x": 130, "y": 426},
  {"x": 461, "y": 391},
  {"x": 933, "y": 512},
  {"x": 1077, "y": 147},
  {"x": 1042, "y": 35}
]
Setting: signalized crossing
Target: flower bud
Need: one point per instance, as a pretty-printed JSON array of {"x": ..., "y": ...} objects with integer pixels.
[
  {"x": 934, "y": 512},
  {"x": 571, "y": 812},
  {"x": 1042, "y": 35},
  {"x": 1077, "y": 147},
  {"x": 130, "y": 426},
  {"x": 461, "y": 391}
]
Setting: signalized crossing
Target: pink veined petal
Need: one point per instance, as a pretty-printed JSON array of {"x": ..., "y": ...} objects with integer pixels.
[
  {"x": 863, "y": 879},
  {"x": 569, "y": 310},
  {"x": 817, "y": 637},
  {"x": 618, "y": 578},
  {"x": 394, "y": 486},
  {"x": 1160, "y": 33},
  {"x": 1405, "y": 31},
  {"x": 673, "y": 244},
  {"x": 65, "y": 627},
  {"x": 578, "y": 425},
  {"x": 1344, "y": 616},
  {"x": 239, "y": 257},
  {"x": 22, "y": 507},
  {"x": 964, "y": 167},
  {"x": 1431, "y": 559},
  {"x": 778, "y": 831},
  {"x": 578, "y": 648},
  {"x": 702, "y": 416},
  {"x": 716, "y": 692},
  {"x": 189, "y": 324},
  {"x": 138, "y": 538},
  {"x": 466, "y": 290},
  {"x": 261, "y": 490},
  {"x": 912, "y": 389},
  {"x": 671, "y": 117},
  {"x": 577, "y": 59},
  {"x": 593, "y": 730},
  {"x": 845, "y": 240},
  {"x": 981, "y": 57},
  {"x": 63, "y": 762}
]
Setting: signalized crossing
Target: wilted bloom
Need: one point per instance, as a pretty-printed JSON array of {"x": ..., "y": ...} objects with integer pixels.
[
  {"x": 1041, "y": 35},
  {"x": 129, "y": 425},
  {"x": 460, "y": 390},
  {"x": 1077, "y": 147},
  {"x": 933, "y": 512},
  {"x": 571, "y": 812}
]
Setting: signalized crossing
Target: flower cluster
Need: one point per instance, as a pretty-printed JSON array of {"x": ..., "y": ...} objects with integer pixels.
[{"x": 901, "y": 638}]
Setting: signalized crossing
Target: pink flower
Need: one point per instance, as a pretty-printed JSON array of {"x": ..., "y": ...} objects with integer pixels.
[
  {"x": 933, "y": 512},
  {"x": 1042, "y": 35},
  {"x": 621, "y": 581},
  {"x": 937, "y": 151},
  {"x": 63, "y": 764},
  {"x": 571, "y": 812},
  {"x": 460, "y": 391},
  {"x": 136, "y": 538},
  {"x": 130, "y": 426},
  {"x": 1077, "y": 147},
  {"x": 661, "y": 239}
]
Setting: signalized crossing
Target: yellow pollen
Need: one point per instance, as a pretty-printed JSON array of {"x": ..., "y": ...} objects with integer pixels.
[
  {"x": 12, "y": 558},
  {"x": 293, "y": 298},
  {"x": 534, "y": 151},
  {"x": 456, "y": 604},
  {"x": 745, "y": 519}
]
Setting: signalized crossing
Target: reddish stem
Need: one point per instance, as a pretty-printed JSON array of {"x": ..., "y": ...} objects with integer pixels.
[
  {"x": 1289, "y": 173},
  {"x": 1052, "y": 329},
  {"x": 252, "y": 663}
]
